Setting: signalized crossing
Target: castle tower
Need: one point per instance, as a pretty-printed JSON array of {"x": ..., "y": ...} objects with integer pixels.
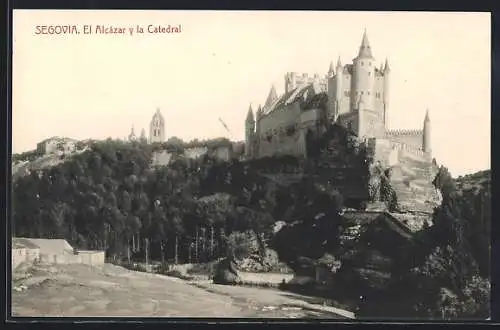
[
  {"x": 338, "y": 87},
  {"x": 386, "y": 72},
  {"x": 364, "y": 75},
  {"x": 426, "y": 143},
  {"x": 157, "y": 128},
  {"x": 331, "y": 70},
  {"x": 257, "y": 120},
  {"x": 131, "y": 136},
  {"x": 271, "y": 98},
  {"x": 249, "y": 132},
  {"x": 290, "y": 81}
]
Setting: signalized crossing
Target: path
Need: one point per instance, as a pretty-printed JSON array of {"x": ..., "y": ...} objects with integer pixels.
[{"x": 80, "y": 290}]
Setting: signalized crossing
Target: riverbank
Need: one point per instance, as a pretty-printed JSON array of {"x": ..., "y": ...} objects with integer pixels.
[{"x": 201, "y": 275}]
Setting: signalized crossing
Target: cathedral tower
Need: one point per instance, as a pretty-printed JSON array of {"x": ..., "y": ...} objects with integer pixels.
[
  {"x": 249, "y": 132},
  {"x": 143, "y": 137},
  {"x": 131, "y": 136},
  {"x": 157, "y": 128}
]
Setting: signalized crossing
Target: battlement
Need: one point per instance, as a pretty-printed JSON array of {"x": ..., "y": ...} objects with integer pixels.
[{"x": 405, "y": 132}]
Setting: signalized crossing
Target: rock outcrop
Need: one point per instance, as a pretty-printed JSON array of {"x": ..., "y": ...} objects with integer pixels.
[{"x": 226, "y": 273}]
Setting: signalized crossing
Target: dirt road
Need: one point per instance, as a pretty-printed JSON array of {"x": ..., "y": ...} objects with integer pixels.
[{"x": 85, "y": 291}]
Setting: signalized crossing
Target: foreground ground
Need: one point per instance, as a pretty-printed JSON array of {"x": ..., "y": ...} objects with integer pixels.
[{"x": 108, "y": 290}]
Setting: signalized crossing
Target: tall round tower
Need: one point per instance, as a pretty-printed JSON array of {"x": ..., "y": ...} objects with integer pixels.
[
  {"x": 339, "y": 87},
  {"x": 364, "y": 76},
  {"x": 426, "y": 143},
  {"x": 386, "y": 72},
  {"x": 249, "y": 132}
]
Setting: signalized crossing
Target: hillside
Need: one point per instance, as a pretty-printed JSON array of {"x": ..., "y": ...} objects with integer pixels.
[{"x": 331, "y": 209}]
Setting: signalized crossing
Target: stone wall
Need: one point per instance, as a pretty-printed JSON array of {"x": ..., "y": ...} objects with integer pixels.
[
  {"x": 411, "y": 174},
  {"x": 83, "y": 257},
  {"x": 92, "y": 257},
  {"x": 407, "y": 137},
  {"x": 282, "y": 143}
]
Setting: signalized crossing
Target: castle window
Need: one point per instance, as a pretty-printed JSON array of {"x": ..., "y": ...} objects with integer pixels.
[
  {"x": 346, "y": 93},
  {"x": 361, "y": 63},
  {"x": 368, "y": 93},
  {"x": 369, "y": 73},
  {"x": 370, "y": 63},
  {"x": 362, "y": 93}
]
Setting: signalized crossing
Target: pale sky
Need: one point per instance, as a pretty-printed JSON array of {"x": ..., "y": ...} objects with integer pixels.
[{"x": 98, "y": 86}]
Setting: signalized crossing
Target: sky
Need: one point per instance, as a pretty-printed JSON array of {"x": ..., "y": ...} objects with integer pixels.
[{"x": 100, "y": 85}]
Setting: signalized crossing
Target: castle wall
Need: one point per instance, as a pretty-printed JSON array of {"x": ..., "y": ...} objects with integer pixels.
[
  {"x": 373, "y": 125},
  {"x": 389, "y": 152},
  {"x": 409, "y": 137},
  {"x": 411, "y": 173},
  {"x": 346, "y": 92},
  {"x": 282, "y": 143},
  {"x": 286, "y": 116}
]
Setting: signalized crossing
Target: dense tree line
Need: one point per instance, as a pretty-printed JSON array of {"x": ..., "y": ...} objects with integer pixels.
[{"x": 111, "y": 198}]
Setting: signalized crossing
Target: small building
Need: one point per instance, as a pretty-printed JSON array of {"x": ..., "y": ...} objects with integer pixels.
[
  {"x": 24, "y": 251},
  {"x": 59, "y": 251}
]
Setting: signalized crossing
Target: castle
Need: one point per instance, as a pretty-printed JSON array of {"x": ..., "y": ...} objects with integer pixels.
[
  {"x": 156, "y": 130},
  {"x": 352, "y": 95}
]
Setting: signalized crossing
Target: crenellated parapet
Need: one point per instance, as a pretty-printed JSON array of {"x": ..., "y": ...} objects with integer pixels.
[{"x": 404, "y": 132}]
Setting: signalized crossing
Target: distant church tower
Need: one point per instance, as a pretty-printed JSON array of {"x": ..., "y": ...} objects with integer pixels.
[
  {"x": 131, "y": 136},
  {"x": 143, "y": 137},
  {"x": 157, "y": 128}
]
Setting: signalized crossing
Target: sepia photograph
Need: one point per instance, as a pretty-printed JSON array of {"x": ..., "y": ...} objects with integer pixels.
[{"x": 328, "y": 165}]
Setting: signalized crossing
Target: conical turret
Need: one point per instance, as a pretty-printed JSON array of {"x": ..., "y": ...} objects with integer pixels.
[
  {"x": 387, "y": 69},
  {"x": 250, "y": 116},
  {"x": 426, "y": 143},
  {"x": 365, "y": 50},
  {"x": 259, "y": 112},
  {"x": 331, "y": 70},
  {"x": 339, "y": 64},
  {"x": 271, "y": 98}
]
